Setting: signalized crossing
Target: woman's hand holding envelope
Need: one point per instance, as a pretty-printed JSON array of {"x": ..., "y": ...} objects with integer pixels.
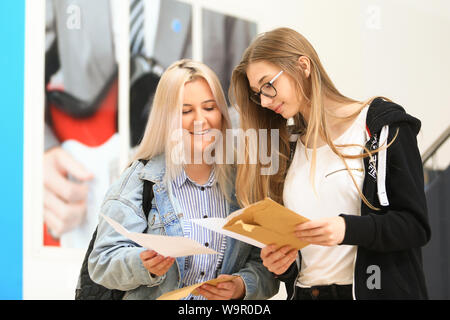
[
  {"x": 278, "y": 260},
  {"x": 155, "y": 263},
  {"x": 324, "y": 232},
  {"x": 233, "y": 289}
]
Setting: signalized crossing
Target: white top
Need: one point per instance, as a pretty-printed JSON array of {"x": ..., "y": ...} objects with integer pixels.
[{"x": 334, "y": 194}]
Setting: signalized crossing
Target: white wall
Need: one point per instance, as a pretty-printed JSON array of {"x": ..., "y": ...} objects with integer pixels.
[
  {"x": 394, "y": 48},
  {"x": 407, "y": 59}
]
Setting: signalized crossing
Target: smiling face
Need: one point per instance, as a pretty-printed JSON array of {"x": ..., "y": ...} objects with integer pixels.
[
  {"x": 200, "y": 113},
  {"x": 286, "y": 102}
]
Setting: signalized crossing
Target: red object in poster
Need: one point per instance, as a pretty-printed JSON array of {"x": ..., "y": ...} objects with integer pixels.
[{"x": 92, "y": 131}]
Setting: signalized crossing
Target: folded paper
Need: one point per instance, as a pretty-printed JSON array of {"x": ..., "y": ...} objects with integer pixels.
[
  {"x": 165, "y": 245},
  {"x": 184, "y": 292},
  {"x": 260, "y": 224}
]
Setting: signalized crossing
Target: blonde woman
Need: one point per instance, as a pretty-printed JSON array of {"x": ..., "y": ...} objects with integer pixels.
[
  {"x": 356, "y": 173},
  {"x": 189, "y": 106}
]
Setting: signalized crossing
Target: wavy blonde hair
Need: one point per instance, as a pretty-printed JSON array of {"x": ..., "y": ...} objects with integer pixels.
[
  {"x": 166, "y": 117},
  {"x": 283, "y": 47}
]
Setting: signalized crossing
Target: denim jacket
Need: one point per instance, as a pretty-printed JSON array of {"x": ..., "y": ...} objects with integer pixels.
[{"x": 115, "y": 262}]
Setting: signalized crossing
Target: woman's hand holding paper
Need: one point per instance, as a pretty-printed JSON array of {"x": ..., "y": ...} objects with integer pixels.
[
  {"x": 324, "y": 232},
  {"x": 278, "y": 260},
  {"x": 155, "y": 263}
]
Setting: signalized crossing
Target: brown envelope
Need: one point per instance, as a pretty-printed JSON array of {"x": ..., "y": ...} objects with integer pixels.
[
  {"x": 268, "y": 222},
  {"x": 184, "y": 292}
]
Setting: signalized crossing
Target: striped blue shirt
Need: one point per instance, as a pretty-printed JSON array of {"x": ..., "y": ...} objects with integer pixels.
[{"x": 197, "y": 202}]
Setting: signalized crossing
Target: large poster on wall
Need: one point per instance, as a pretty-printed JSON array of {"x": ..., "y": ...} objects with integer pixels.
[
  {"x": 224, "y": 39},
  {"x": 81, "y": 85},
  {"x": 80, "y": 140},
  {"x": 160, "y": 34}
]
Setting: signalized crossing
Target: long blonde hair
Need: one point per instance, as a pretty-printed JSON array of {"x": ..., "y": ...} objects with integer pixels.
[
  {"x": 283, "y": 47},
  {"x": 165, "y": 118}
]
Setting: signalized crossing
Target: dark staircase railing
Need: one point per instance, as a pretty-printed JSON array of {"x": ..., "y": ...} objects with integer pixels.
[{"x": 436, "y": 254}]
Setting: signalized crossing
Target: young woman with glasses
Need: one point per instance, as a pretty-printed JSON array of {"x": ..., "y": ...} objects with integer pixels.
[{"x": 355, "y": 172}]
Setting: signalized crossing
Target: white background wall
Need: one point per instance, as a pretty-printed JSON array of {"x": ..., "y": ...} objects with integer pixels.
[{"x": 394, "y": 48}]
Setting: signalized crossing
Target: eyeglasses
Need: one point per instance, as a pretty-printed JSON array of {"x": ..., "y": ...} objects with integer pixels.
[{"x": 266, "y": 89}]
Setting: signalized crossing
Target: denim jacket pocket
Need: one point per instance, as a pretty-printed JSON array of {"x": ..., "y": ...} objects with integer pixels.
[
  {"x": 167, "y": 224},
  {"x": 155, "y": 225}
]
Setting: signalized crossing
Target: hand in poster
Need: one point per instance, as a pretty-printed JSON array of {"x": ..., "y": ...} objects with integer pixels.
[{"x": 64, "y": 199}]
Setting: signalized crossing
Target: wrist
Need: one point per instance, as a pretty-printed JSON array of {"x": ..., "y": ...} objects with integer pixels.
[
  {"x": 239, "y": 293},
  {"x": 343, "y": 230}
]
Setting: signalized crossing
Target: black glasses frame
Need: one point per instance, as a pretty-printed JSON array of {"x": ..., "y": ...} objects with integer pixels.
[{"x": 256, "y": 96}]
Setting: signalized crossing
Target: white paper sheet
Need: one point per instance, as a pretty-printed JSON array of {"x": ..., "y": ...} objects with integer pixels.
[
  {"x": 165, "y": 245},
  {"x": 216, "y": 224}
]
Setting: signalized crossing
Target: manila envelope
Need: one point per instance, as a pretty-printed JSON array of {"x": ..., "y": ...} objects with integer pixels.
[
  {"x": 184, "y": 292},
  {"x": 268, "y": 222}
]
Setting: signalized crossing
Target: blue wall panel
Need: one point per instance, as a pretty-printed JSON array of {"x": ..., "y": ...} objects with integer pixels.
[{"x": 12, "y": 43}]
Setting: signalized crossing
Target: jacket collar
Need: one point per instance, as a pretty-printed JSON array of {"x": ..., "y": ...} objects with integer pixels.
[{"x": 154, "y": 170}]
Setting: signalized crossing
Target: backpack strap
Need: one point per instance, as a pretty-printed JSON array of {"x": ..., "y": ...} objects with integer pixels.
[
  {"x": 147, "y": 197},
  {"x": 147, "y": 194}
]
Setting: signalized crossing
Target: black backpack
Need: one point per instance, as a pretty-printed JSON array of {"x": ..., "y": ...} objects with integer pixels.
[{"x": 88, "y": 289}]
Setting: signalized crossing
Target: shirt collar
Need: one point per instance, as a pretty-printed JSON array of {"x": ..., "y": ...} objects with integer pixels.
[{"x": 183, "y": 177}]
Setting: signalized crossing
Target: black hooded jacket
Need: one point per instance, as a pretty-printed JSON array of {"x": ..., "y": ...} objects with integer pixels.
[{"x": 388, "y": 262}]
